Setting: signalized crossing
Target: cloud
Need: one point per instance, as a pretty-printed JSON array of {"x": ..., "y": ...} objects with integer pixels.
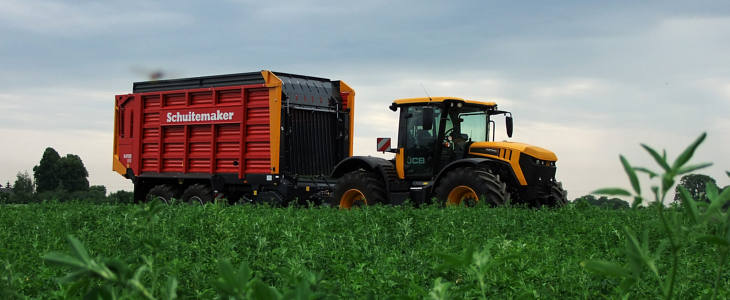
[
  {"x": 79, "y": 18},
  {"x": 57, "y": 108}
]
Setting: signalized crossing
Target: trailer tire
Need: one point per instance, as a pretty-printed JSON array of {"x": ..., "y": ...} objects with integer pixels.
[
  {"x": 470, "y": 184},
  {"x": 358, "y": 188},
  {"x": 198, "y": 194},
  {"x": 162, "y": 192}
]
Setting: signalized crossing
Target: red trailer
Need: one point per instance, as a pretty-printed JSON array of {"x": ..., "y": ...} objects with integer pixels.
[{"x": 264, "y": 136}]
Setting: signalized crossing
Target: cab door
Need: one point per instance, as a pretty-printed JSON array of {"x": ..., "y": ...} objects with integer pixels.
[{"x": 417, "y": 141}]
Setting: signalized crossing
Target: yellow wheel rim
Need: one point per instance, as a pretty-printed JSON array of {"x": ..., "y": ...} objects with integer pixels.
[
  {"x": 461, "y": 193},
  {"x": 352, "y": 197}
]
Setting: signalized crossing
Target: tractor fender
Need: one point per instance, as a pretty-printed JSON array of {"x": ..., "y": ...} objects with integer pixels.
[
  {"x": 369, "y": 163},
  {"x": 478, "y": 161},
  {"x": 384, "y": 168}
]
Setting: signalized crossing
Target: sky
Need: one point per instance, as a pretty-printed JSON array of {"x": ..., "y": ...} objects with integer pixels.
[{"x": 585, "y": 79}]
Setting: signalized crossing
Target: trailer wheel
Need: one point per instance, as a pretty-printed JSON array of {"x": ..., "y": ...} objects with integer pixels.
[
  {"x": 358, "y": 188},
  {"x": 162, "y": 192},
  {"x": 466, "y": 186},
  {"x": 557, "y": 197},
  {"x": 197, "y": 194}
]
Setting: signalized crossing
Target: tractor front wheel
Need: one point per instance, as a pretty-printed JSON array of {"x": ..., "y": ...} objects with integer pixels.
[
  {"x": 468, "y": 185},
  {"x": 358, "y": 188},
  {"x": 556, "y": 197}
]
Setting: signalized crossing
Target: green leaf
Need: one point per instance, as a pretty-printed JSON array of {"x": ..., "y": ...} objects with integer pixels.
[
  {"x": 637, "y": 202},
  {"x": 64, "y": 259},
  {"x": 260, "y": 290},
  {"x": 711, "y": 191},
  {"x": 171, "y": 289},
  {"x": 688, "y": 153},
  {"x": 690, "y": 205},
  {"x": 605, "y": 268},
  {"x": 78, "y": 249},
  {"x": 728, "y": 173},
  {"x": 626, "y": 284},
  {"x": 454, "y": 261},
  {"x": 651, "y": 173},
  {"x": 712, "y": 239},
  {"x": 661, "y": 160},
  {"x": 718, "y": 201},
  {"x": 632, "y": 175},
  {"x": 692, "y": 168},
  {"x": 612, "y": 192}
]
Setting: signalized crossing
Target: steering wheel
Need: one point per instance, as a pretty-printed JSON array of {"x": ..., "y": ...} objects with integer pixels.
[{"x": 447, "y": 142}]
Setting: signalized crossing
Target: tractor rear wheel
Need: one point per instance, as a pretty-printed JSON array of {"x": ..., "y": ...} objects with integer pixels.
[
  {"x": 468, "y": 185},
  {"x": 197, "y": 194},
  {"x": 162, "y": 192},
  {"x": 358, "y": 188}
]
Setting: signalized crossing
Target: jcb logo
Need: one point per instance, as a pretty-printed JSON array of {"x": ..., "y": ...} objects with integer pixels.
[{"x": 416, "y": 160}]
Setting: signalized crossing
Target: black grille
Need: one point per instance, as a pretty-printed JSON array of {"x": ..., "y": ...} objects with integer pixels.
[
  {"x": 315, "y": 141},
  {"x": 536, "y": 174}
]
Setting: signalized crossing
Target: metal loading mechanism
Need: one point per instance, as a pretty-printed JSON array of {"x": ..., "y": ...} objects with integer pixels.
[{"x": 314, "y": 125}]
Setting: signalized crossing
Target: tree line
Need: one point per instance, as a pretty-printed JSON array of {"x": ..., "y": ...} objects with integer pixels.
[
  {"x": 61, "y": 179},
  {"x": 696, "y": 184}
]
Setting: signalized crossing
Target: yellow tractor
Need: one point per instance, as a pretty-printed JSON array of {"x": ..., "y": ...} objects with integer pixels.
[{"x": 444, "y": 152}]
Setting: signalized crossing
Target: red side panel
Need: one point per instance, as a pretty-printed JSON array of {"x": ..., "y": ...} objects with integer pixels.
[{"x": 211, "y": 130}]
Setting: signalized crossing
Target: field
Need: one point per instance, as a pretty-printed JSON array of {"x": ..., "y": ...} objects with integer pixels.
[{"x": 362, "y": 253}]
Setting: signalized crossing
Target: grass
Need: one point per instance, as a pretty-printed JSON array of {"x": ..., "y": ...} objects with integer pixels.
[{"x": 377, "y": 251}]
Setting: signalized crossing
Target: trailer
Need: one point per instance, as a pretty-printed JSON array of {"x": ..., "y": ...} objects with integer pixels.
[{"x": 258, "y": 136}]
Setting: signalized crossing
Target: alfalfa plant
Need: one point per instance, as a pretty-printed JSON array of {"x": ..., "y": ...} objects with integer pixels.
[
  {"x": 707, "y": 223},
  {"x": 100, "y": 278}
]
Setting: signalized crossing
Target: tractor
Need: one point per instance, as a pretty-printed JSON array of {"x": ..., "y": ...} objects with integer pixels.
[{"x": 444, "y": 153}]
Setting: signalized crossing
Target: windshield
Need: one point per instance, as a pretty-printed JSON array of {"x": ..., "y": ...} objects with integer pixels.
[{"x": 471, "y": 124}]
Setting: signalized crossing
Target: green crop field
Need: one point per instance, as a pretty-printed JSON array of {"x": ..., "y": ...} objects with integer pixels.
[{"x": 377, "y": 251}]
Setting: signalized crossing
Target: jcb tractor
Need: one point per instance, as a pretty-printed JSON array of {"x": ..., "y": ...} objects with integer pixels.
[{"x": 444, "y": 152}]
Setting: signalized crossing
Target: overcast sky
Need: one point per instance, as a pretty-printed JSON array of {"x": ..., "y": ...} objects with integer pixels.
[{"x": 587, "y": 80}]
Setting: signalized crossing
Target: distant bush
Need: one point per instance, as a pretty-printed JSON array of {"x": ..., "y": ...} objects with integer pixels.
[
  {"x": 121, "y": 197},
  {"x": 602, "y": 202}
]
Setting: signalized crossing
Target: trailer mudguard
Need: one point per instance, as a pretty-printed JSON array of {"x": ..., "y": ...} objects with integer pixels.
[{"x": 503, "y": 167}]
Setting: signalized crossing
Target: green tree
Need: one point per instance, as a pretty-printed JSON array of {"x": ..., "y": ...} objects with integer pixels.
[
  {"x": 695, "y": 185},
  {"x": 72, "y": 174},
  {"x": 23, "y": 188},
  {"x": 46, "y": 172}
]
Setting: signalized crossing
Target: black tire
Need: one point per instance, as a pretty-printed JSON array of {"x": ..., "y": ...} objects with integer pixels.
[
  {"x": 556, "y": 197},
  {"x": 162, "y": 192},
  {"x": 197, "y": 194},
  {"x": 358, "y": 188},
  {"x": 471, "y": 181}
]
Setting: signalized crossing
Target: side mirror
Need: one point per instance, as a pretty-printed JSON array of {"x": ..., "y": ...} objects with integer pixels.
[
  {"x": 508, "y": 124},
  {"x": 427, "y": 118}
]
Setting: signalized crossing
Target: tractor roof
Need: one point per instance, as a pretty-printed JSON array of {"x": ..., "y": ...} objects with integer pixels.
[{"x": 439, "y": 99}]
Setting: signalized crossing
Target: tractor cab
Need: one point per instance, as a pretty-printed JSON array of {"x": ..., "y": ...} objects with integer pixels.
[{"x": 437, "y": 131}]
